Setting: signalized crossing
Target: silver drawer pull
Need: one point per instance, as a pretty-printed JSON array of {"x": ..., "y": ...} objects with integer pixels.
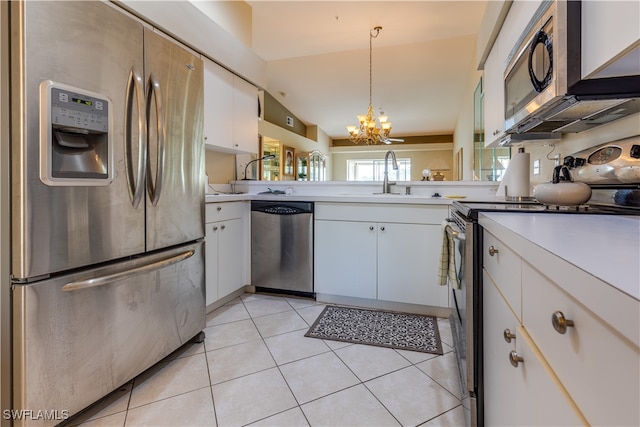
[
  {"x": 219, "y": 208},
  {"x": 560, "y": 323},
  {"x": 515, "y": 359},
  {"x": 508, "y": 336},
  {"x": 222, "y": 226},
  {"x": 492, "y": 251},
  {"x": 382, "y": 228},
  {"x": 371, "y": 227}
]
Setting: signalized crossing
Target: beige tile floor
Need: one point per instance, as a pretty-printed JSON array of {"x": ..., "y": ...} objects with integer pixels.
[{"x": 256, "y": 368}]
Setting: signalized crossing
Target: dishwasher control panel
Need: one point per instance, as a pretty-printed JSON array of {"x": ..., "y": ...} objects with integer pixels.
[{"x": 281, "y": 210}]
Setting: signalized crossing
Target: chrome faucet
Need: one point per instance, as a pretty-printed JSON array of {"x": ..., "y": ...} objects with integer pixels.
[{"x": 386, "y": 185}]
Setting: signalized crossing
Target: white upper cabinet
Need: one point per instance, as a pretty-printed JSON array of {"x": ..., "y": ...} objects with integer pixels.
[
  {"x": 230, "y": 111},
  {"x": 493, "y": 96},
  {"x": 610, "y": 38}
]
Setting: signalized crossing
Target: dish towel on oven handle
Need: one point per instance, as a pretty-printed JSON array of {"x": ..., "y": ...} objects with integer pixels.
[{"x": 448, "y": 271}]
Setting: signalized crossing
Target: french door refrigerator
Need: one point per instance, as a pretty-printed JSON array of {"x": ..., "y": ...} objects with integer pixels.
[{"x": 107, "y": 213}]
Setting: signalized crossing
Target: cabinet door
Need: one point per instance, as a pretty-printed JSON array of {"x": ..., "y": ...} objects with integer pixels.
[
  {"x": 493, "y": 95},
  {"x": 408, "y": 258},
  {"x": 345, "y": 258},
  {"x": 230, "y": 257},
  {"x": 245, "y": 111},
  {"x": 500, "y": 400},
  {"x": 599, "y": 367},
  {"x": 218, "y": 106},
  {"x": 538, "y": 388},
  {"x": 211, "y": 262},
  {"x": 609, "y": 28},
  {"x": 524, "y": 395}
]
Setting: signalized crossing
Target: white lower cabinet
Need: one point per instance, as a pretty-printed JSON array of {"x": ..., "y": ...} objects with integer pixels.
[
  {"x": 345, "y": 258},
  {"x": 225, "y": 249},
  {"x": 519, "y": 387},
  {"x": 575, "y": 367},
  {"x": 408, "y": 265},
  {"x": 387, "y": 259},
  {"x": 599, "y": 367}
]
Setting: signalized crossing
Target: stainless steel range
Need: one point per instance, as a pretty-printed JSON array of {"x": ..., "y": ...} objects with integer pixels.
[{"x": 466, "y": 319}]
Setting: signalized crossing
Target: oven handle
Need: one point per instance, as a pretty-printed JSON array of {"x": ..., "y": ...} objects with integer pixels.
[
  {"x": 456, "y": 234},
  {"x": 110, "y": 278}
]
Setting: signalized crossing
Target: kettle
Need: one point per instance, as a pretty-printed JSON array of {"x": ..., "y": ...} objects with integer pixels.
[{"x": 562, "y": 191}]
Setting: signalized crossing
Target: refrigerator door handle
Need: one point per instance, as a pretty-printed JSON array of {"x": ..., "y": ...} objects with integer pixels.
[
  {"x": 123, "y": 275},
  {"x": 154, "y": 186},
  {"x": 136, "y": 187}
]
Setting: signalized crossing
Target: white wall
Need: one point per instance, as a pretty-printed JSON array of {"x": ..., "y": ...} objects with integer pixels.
[{"x": 572, "y": 143}]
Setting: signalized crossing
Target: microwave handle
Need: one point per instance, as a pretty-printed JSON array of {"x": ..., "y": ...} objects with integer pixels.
[{"x": 541, "y": 38}]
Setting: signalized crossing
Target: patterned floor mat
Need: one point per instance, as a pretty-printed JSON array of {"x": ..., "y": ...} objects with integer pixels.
[{"x": 382, "y": 328}]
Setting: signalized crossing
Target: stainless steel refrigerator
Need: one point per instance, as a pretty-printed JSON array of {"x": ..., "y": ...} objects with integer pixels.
[{"x": 107, "y": 202}]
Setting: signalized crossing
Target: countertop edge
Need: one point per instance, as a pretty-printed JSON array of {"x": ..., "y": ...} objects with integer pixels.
[{"x": 342, "y": 198}]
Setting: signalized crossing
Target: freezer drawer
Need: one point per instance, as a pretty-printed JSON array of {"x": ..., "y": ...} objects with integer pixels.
[{"x": 79, "y": 337}]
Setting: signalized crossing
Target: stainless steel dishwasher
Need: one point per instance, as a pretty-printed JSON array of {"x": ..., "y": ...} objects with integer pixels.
[{"x": 282, "y": 246}]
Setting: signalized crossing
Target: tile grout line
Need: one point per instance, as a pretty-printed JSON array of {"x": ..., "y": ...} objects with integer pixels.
[{"x": 279, "y": 370}]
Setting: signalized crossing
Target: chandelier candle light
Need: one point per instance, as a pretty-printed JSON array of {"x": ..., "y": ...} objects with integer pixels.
[{"x": 368, "y": 131}]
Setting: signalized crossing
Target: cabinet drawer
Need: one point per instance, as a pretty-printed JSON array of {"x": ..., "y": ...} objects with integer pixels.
[
  {"x": 505, "y": 268},
  {"x": 224, "y": 211},
  {"x": 599, "y": 367}
]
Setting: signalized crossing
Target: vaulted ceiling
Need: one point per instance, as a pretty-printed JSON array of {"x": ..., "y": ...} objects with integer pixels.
[{"x": 317, "y": 55}]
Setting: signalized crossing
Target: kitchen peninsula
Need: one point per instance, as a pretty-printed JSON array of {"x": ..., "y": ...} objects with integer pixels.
[{"x": 572, "y": 308}]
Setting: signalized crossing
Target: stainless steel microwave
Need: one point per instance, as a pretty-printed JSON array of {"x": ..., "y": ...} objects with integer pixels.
[{"x": 544, "y": 92}]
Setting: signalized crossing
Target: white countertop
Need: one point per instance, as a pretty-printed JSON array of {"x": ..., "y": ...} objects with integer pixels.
[
  {"x": 354, "y": 192},
  {"x": 341, "y": 198},
  {"x": 605, "y": 246}
]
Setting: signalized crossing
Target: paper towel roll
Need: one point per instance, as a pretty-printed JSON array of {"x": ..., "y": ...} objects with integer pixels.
[{"x": 516, "y": 177}]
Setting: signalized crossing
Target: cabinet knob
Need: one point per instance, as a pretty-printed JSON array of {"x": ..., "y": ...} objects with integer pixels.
[
  {"x": 222, "y": 227},
  {"x": 219, "y": 208},
  {"x": 382, "y": 228},
  {"x": 515, "y": 359},
  {"x": 560, "y": 323},
  {"x": 371, "y": 227},
  {"x": 215, "y": 228},
  {"x": 493, "y": 251},
  {"x": 508, "y": 336}
]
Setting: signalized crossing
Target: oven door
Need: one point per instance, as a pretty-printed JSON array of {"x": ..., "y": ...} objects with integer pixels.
[{"x": 461, "y": 231}]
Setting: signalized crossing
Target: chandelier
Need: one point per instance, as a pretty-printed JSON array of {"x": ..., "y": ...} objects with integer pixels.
[{"x": 368, "y": 131}]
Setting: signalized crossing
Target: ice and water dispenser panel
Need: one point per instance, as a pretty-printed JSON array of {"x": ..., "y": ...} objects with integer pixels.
[{"x": 75, "y": 143}]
